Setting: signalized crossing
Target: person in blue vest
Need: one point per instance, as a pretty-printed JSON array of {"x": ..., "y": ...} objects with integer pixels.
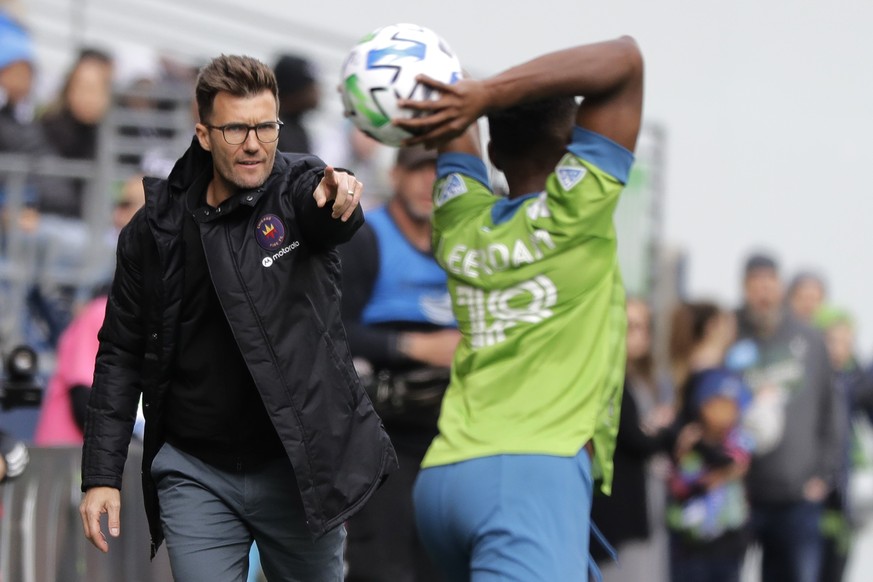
[{"x": 402, "y": 335}]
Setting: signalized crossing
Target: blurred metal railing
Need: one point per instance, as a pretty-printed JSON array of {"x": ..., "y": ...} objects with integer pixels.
[
  {"x": 41, "y": 536},
  {"x": 144, "y": 131},
  {"x": 192, "y": 32},
  {"x": 17, "y": 257}
]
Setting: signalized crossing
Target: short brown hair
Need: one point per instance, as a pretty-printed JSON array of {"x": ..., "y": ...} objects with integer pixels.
[{"x": 241, "y": 76}]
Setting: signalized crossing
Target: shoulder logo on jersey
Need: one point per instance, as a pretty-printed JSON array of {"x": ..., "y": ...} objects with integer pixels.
[
  {"x": 270, "y": 232},
  {"x": 452, "y": 187},
  {"x": 570, "y": 172}
]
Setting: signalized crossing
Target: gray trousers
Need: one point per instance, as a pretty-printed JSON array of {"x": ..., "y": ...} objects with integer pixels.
[{"x": 210, "y": 518}]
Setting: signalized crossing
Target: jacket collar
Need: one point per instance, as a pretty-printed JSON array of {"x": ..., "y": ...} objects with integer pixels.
[{"x": 196, "y": 164}]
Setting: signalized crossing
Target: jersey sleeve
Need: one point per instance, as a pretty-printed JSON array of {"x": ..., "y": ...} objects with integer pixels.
[
  {"x": 462, "y": 190},
  {"x": 582, "y": 193}
]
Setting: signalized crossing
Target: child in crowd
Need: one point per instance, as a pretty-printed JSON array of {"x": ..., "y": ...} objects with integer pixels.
[{"x": 707, "y": 513}]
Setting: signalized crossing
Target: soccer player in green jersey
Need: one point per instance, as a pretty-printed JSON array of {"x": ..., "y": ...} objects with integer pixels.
[{"x": 529, "y": 420}]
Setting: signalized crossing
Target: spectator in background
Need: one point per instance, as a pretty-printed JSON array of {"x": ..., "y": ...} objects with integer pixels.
[
  {"x": 298, "y": 94},
  {"x": 806, "y": 294},
  {"x": 398, "y": 316},
  {"x": 626, "y": 518},
  {"x": 19, "y": 241},
  {"x": 788, "y": 481},
  {"x": 18, "y": 132},
  {"x": 700, "y": 334},
  {"x": 71, "y": 123},
  {"x": 70, "y": 127},
  {"x": 855, "y": 393},
  {"x": 62, "y": 416},
  {"x": 707, "y": 513},
  {"x": 128, "y": 203}
]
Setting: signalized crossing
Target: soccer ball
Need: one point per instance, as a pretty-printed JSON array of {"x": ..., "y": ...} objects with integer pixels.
[{"x": 382, "y": 68}]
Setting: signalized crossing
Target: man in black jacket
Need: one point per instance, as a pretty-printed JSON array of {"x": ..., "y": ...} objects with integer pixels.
[{"x": 224, "y": 313}]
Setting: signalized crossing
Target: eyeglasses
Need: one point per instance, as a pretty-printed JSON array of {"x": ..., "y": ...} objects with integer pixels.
[{"x": 237, "y": 133}]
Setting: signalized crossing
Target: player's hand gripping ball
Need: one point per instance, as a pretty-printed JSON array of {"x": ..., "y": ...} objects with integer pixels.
[{"x": 382, "y": 68}]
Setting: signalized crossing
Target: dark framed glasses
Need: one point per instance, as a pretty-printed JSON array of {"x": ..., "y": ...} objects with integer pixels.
[{"x": 237, "y": 133}]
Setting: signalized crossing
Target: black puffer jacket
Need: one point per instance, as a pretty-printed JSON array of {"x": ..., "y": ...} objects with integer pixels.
[{"x": 283, "y": 306}]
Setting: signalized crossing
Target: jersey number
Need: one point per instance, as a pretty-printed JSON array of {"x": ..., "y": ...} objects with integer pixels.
[{"x": 492, "y": 313}]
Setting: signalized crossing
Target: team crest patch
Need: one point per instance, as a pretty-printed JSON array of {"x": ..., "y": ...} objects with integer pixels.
[
  {"x": 270, "y": 232},
  {"x": 452, "y": 187},
  {"x": 570, "y": 172}
]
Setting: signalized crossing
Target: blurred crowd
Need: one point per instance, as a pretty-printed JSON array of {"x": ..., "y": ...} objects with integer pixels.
[
  {"x": 755, "y": 432},
  {"x": 755, "y": 429}
]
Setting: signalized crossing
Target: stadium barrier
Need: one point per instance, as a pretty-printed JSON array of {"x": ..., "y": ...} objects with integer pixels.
[{"x": 41, "y": 536}]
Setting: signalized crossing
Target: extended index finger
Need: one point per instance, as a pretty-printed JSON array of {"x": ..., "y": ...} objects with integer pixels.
[{"x": 330, "y": 176}]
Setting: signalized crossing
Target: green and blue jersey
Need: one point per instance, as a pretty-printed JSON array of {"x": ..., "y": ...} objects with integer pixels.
[{"x": 538, "y": 295}]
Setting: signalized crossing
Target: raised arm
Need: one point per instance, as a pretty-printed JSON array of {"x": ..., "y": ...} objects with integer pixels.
[{"x": 607, "y": 75}]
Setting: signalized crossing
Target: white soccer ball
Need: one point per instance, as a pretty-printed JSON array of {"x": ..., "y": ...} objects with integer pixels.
[{"x": 382, "y": 68}]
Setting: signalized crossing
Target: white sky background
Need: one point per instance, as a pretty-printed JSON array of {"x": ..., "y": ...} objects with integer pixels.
[
  {"x": 767, "y": 105},
  {"x": 768, "y": 108}
]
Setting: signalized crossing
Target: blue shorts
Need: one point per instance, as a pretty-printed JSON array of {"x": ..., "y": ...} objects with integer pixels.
[{"x": 507, "y": 517}]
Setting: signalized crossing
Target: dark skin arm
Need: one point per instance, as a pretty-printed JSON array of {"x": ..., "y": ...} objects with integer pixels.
[{"x": 608, "y": 75}]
